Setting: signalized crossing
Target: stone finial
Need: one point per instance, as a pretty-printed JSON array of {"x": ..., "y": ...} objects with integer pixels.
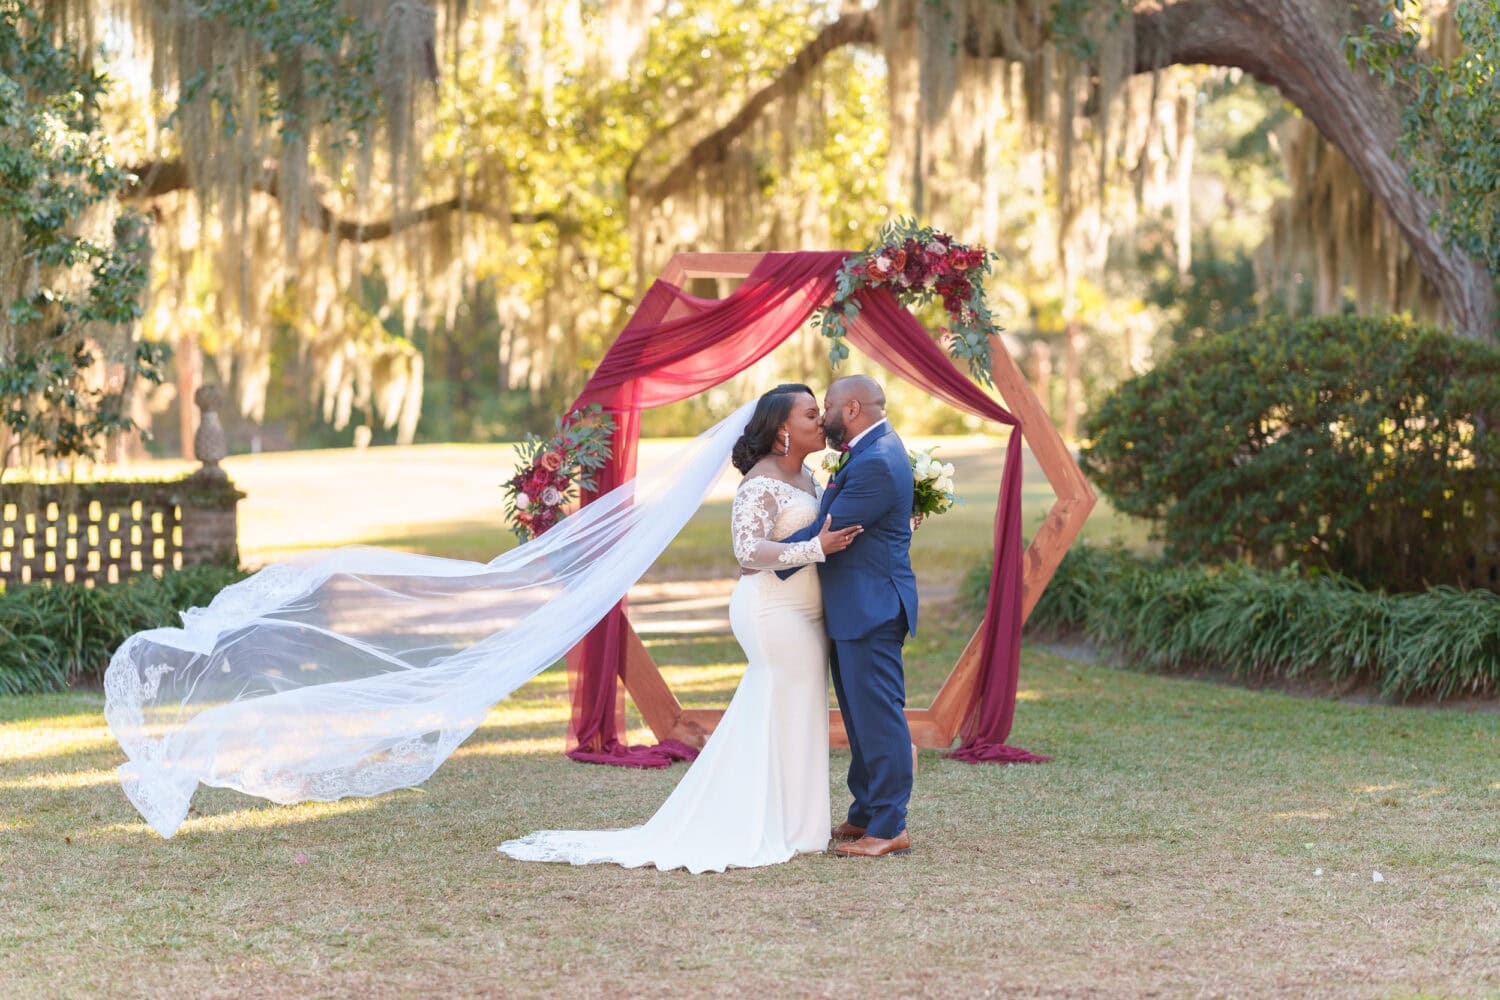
[{"x": 209, "y": 443}]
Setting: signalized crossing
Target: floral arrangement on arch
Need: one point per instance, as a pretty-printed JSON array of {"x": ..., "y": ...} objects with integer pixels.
[
  {"x": 919, "y": 265},
  {"x": 551, "y": 471}
]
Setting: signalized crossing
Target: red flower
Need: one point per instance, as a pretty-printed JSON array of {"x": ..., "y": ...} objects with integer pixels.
[{"x": 967, "y": 258}]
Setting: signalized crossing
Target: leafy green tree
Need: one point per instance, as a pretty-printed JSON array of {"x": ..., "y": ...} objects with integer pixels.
[
  {"x": 1450, "y": 119},
  {"x": 71, "y": 277}
]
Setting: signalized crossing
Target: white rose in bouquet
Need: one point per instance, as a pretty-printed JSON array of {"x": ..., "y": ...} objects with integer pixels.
[{"x": 934, "y": 485}]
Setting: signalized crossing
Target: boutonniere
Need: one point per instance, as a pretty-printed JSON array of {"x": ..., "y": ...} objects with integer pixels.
[{"x": 834, "y": 462}]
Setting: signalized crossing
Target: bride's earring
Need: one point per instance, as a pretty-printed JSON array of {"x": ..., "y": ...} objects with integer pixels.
[{"x": 786, "y": 443}]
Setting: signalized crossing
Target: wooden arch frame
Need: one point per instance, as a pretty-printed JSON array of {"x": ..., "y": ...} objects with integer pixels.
[{"x": 933, "y": 727}]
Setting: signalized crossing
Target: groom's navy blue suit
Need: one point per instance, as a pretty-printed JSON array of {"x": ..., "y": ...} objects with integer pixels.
[{"x": 869, "y": 606}]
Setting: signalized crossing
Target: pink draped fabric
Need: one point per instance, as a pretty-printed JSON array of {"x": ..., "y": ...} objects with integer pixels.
[{"x": 677, "y": 345}]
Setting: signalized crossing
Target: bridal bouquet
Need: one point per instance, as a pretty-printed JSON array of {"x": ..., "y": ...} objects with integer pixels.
[
  {"x": 934, "y": 484},
  {"x": 934, "y": 481},
  {"x": 551, "y": 471}
]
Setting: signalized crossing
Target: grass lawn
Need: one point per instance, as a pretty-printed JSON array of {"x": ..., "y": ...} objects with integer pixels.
[
  {"x": 1172, "y": 848},
  {"x": 445, "y": 500}
]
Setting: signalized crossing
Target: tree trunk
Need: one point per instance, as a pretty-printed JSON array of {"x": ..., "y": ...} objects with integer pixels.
[
  {"x": 187, "y": 385},
  {"x": 1072, "y": 381},
  {"x": 1296, "y": 46}
]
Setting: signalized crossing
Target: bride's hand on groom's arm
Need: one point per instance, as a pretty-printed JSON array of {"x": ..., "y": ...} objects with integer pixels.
[{"x": 836, "y": 541}]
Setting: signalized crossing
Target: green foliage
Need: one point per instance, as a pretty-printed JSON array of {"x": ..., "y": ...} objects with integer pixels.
[
  {"x": 64, "y": 288},
  {"x": 1258, "y": 623},
  {"x": 1218, "y": 293},
  {"x": 54, "y": 635},
  {"x": 580, "y": 152},
  {"x": 1449, "y": 117},
  {"x": 322, "y": 73},
  {"x": 1364, "y": 446}
]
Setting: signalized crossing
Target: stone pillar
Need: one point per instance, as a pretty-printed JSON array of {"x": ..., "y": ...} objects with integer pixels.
[
  {"x": 210, "y": 516},
  {"x": 208, "y": 444}
]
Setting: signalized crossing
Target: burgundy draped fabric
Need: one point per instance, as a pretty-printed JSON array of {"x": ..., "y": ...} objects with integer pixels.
[
  {"x": 896, "y": 341},
  {"x": 677, "y": 345}
]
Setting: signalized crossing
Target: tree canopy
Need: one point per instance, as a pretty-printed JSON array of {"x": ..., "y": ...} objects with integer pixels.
[{"x": 356, "y": 201}]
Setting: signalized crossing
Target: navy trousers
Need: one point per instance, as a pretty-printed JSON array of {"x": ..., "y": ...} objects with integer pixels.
[{"x": 871, "y": 688}]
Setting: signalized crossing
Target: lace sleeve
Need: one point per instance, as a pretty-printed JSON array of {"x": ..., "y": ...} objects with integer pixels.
[{"x": 753, "y": 516}]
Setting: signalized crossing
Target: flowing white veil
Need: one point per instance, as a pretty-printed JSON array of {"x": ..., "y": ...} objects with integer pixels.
[{"x": 359, "y": 670}]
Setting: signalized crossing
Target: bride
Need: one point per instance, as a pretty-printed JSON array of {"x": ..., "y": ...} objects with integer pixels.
[
  {"x": 355, "y": 671},
  {"x": 758, "y": 793}
]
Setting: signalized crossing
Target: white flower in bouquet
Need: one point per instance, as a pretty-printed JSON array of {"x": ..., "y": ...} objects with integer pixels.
[
  {"x": 551, "y": 497},
  {"x": 934, "y": 484},
  {"x": 522, "y": 501}
]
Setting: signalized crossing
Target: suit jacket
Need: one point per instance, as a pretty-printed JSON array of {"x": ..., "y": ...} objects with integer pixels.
[{"x": 871, "y": 582}]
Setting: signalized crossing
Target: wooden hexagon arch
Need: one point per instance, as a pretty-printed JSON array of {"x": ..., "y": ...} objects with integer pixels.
[{"x": 933, "y": 727}]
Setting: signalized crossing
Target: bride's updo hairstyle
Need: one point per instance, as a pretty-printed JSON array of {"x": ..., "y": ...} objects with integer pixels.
[{"x": 759, "y": 439}]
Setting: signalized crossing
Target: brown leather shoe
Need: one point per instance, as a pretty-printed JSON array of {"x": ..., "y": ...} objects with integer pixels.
[
  {"x": 847, "y": 831},
  {"x": 874, "y": 847}
]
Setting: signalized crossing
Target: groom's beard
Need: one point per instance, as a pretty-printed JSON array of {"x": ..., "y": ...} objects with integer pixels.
[{"x": 834, "y": 434}]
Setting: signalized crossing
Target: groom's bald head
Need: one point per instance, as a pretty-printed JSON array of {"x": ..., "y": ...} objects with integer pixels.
[
  {"x": 853, "y": 403},
  {"x": 862, "y": 388}
]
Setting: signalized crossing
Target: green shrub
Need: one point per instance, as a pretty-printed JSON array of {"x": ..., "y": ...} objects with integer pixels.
[
  {"x": 1369, "y": 447},
  {"x": 54, "y": 635},
  {"x": 1273, "y": 623}
]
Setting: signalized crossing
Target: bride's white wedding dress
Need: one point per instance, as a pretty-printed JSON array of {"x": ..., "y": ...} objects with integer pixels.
[{"x": 758, "y": 793}]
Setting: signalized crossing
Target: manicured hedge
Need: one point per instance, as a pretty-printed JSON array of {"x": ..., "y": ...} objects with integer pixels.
[
  {"x": 1368, "y": 447},
  {"x": 1255, "y": 623},
  {"x": 52, "y": 636}
]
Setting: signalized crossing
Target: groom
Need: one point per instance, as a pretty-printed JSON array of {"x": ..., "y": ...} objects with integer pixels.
[{"x": 869, "y": 606}]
